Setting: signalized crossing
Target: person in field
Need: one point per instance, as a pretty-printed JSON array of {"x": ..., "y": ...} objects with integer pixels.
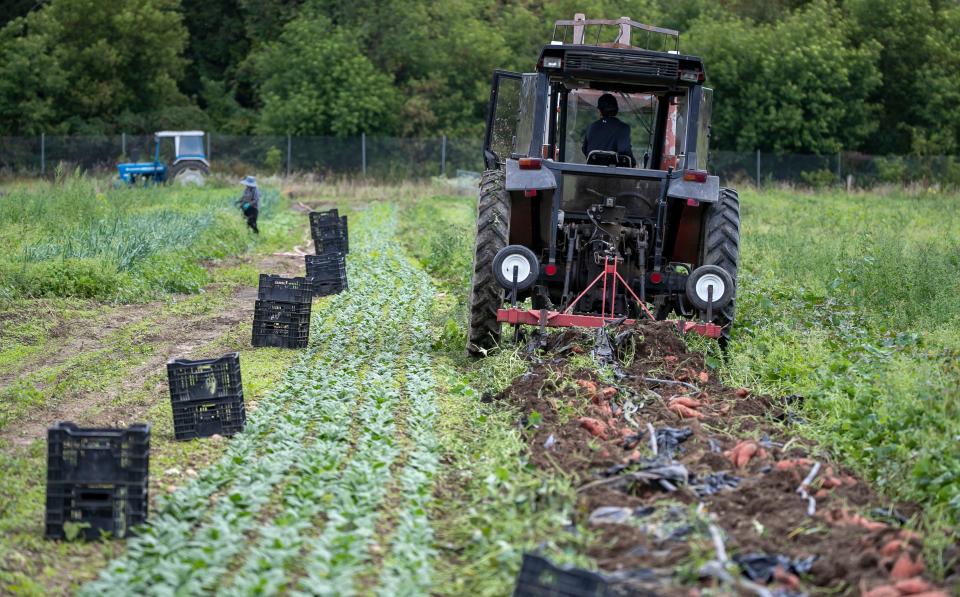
[
  {"x": 609, "y": 133},
  {"x": 249, "y": 202}
]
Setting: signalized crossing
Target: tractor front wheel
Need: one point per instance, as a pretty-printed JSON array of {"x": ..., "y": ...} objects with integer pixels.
[
  {"x": 189, "y": 172},
  {"x": 493, "y": 233},
  {"x": 721, "y": 247}
]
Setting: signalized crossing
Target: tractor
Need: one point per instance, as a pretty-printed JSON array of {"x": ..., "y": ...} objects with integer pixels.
[
  {"x": 190, "y": 164},
  {"x": 569, "y": 237}
]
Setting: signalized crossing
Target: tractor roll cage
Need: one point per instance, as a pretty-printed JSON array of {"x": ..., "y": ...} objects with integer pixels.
[{"x": 579, "y": 28}]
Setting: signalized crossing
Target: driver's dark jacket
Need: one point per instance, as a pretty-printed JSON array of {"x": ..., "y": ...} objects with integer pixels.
[{"x": 608, "y": 134}]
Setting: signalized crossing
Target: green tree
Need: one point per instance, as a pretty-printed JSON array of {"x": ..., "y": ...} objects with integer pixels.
[
  {"x": 797, "y": 85},
  {"x": 92, "y": 62},
  {"x": 316, "y": 81},
  {"x": 32, "y": 82}
]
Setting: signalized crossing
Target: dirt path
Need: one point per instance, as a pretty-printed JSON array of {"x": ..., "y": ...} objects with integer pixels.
[
  {"x": 126, "y": 346},
  {"x": 684, "y": 481}
]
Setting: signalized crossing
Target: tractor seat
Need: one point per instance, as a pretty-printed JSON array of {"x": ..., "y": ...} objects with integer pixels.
[{"x": 601, "y": 157}]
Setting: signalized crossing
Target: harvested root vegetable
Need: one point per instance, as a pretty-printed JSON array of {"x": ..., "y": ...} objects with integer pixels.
[
  {"x": 685, "y": 412},
  {"x": 882, "y": 591},
  {"x": 703, "y": 376},
  {"x": 906, "y": 567},
  {"x": 686, "y": 401},
  {"x": 912, "y": 586},
  {"x": 742, "y": 392},
  {"x": 793, "y": 463},
  {"x": 588, "y": 386},
  {"x": 745, "y": 450},
  {"x": 595, "y": 427}
]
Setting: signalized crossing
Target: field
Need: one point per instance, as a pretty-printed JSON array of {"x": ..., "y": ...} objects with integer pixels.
[{"x": 380, "y": 460}]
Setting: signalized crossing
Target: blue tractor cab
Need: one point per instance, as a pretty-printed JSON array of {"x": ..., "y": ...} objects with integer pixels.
[{"x": 190, "y": 164}]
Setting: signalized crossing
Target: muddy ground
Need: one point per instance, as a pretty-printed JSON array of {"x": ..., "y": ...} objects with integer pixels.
[{"x": 721, "y": 486}]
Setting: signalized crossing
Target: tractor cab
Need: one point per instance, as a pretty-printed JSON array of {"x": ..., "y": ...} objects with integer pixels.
[
  {"x": 189, "y": 164},
  {"x": 645, "y": 208}
]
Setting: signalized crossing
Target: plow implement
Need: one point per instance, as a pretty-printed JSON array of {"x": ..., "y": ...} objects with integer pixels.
[{"x": 609, "y": 279}]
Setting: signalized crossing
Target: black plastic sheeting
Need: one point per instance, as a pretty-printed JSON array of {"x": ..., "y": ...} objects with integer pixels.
[{"x": 759, "y": 567}]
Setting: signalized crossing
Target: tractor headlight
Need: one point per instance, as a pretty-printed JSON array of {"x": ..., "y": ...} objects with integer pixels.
[{"x": 552, "y": 62}]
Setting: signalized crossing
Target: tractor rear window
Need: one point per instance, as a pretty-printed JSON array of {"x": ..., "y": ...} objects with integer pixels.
[
  {"x": 637, "y": 110},
  {"x": 191, "y": 146}
]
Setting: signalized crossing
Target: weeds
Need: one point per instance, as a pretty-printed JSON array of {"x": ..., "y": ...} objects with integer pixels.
[{"x": 70, "y": 239}]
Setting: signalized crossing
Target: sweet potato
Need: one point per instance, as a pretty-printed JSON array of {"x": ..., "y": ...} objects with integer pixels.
[
  {"x": 685, "y": 412},
  {"x": 912, "y": 586},
  {"x": 595, "y": 427}
]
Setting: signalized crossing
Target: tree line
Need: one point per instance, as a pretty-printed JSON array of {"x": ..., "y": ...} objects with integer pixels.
[{"x": 816, "y": 76}]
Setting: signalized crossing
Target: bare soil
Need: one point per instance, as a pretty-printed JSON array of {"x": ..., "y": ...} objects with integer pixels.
[{"x": 855, "y": 544}]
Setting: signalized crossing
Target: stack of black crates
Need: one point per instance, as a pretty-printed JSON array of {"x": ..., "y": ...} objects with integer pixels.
[
  {"x": 327, "y": 269},
  {"x": 281, "y": 315},
  {"x": 96, "y": 480},
  {"x": 206, "y": 396}
]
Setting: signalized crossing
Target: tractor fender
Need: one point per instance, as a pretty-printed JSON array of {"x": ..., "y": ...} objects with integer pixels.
[
  {"x": 526, "y": 180},
  {"x": 704, "y": 192}
]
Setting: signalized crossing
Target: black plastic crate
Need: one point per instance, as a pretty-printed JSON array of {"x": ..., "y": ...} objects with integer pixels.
[
  {"x": 80, "y": 455},
  {"x": 205, "y": 379},
  {"x": 279, "y": 324},
  {"x": 96, "y": 508},
  {"x": 329, "y": 231},
  {"x": 287, "y": 290},
  {"x": 328, "y": 273},
  {"x": 540, "y": 578},
  {"x": 96, "y": 478},
  {"x": 203, "y": 418}
]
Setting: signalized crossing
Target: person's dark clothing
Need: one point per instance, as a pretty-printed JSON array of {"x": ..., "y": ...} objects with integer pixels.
[
  {"x": 250, "y": 204},
  {"x": 251, "y": 214},
  {"x": 608, "y": 134}
]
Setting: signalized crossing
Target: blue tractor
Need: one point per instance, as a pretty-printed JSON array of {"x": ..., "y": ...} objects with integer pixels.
[{"x": 190, "y": 165}]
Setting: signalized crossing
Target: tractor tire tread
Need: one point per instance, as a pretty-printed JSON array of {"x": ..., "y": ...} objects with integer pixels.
[
  {"x": 722, "y": 248},
  {"x": 493, "y": 233}
]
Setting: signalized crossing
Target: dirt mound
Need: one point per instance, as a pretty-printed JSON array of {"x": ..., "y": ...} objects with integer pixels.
[{"x": 678, "y": 474}]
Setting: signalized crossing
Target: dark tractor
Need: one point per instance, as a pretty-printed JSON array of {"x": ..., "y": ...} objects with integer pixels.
[{"x": 599, "y": 236}]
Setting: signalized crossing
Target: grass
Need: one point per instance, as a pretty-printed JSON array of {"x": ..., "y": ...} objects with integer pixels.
[
  {"x": 79, "y": 237},
  {"x": 853, "y": 302},
  {"x": 491, "y": 504}
]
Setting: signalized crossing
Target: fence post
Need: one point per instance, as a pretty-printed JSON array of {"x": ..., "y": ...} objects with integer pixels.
[
  {"x": 758, "y": 168},
  {"x": 363, "y": 152},
  {"x": 840, "y": 165},
  {"x": 289, "y": 153},
  {"x": 443, "y": 156},
  {"x": 123, "y": 145},
  {"x": 208, "y": 146},
  {"x": 43, "y": 154}
]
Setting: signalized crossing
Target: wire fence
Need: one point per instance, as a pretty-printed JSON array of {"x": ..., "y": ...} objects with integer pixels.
[{"x": 417, "y": 158}]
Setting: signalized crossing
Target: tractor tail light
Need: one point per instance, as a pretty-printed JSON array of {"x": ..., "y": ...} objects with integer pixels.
[
  {"x": 529, "y": 163},
  {"x": 551, "y": 269},
  {"x": 695, "y": 175},
  {"x": 656, "y": 277}
]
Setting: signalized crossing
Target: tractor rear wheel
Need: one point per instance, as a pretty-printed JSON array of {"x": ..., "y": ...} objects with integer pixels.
[
  {"x": 189, "y": 172},
  {"x": 493, "y": 233},
  {"x": 721, "y": 247}
]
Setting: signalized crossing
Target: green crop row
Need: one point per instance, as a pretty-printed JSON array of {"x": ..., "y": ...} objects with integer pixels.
[{"x": 295, "y": 502}]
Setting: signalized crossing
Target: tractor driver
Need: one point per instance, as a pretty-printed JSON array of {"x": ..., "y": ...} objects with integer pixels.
[{"x": 609, "y": 133}]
